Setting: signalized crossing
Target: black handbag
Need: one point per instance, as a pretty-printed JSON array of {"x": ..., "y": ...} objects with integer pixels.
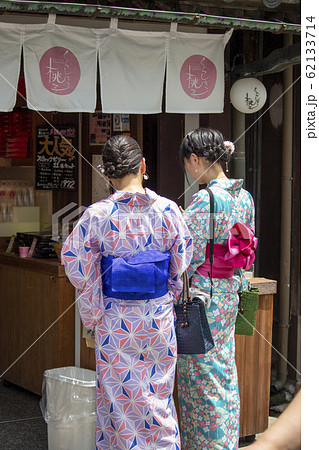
[
  {"x": 192, "y": 329},
  {"x": 248, "y": 300}
]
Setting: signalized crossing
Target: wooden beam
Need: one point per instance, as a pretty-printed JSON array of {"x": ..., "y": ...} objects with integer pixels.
[{"x": 277, "y": 61}]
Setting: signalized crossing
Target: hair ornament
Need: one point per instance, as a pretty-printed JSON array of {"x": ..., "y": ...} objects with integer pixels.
[
  {"x": 101, "y": 168},
  {"x": 230, "y": 146}
]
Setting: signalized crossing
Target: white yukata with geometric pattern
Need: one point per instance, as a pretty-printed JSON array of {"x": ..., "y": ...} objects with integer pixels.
[{"x": 135, "y": 341}]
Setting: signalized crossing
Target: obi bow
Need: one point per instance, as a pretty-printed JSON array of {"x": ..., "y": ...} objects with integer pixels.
[
  {"x": 141, "y": 277},
  {"x": 241, "y": 244}
]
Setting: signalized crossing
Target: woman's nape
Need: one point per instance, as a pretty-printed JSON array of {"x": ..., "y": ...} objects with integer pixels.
[
  {"x": 130, "y": 182},
  {"x": 202, "y": 152},
  {"x": 202, "y": 170}
]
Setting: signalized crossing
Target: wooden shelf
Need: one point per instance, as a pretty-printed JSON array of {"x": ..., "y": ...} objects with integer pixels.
[
  {"x": 264, "y": 285},
  {"x": 16, "y": 162},
  {"x": 48, "y": 266}
]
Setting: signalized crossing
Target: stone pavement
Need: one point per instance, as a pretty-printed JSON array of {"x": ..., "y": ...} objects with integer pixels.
[{"x": 21, "y": 422}]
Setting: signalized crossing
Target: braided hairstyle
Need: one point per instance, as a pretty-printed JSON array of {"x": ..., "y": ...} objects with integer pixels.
[
  {"x": 121, "y": 156},
  {"x": 206, "y": 143}
]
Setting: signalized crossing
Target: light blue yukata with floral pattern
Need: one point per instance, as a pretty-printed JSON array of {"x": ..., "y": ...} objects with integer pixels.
[{"x": 207, "y": 384}]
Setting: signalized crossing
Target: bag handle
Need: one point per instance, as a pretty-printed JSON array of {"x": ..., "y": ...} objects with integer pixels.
[
  {"x": 186, "y": 298},
  {"x": 240, "y": 295},
  {"x": 240, "y": 306},
  {"x": 211, "y": 237}
]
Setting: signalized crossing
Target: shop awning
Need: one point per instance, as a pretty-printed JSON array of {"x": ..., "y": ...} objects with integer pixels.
[
  {"x": 101, "y": 11},
  {"x": 60, "y": 62}
]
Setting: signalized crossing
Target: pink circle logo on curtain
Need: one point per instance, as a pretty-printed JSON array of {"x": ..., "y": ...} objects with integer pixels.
[
  {"x": 60, "y": 70},
  {"x": 198, "y": 76}
]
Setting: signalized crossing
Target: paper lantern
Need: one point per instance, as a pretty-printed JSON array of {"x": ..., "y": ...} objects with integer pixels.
[
  {"x": 272, "y": 3},
  {"x": 248, "y": 95}
]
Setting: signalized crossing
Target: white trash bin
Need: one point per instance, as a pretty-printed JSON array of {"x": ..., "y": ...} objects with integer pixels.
[{"x": 68, "y": 407}]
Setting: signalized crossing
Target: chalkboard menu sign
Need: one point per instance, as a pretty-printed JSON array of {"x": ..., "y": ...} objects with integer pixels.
[{"x": 56, "y": 158}]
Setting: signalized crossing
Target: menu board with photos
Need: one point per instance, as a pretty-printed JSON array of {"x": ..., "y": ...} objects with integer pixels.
[
  {"x": 56, "y": 158},
  {"x": 100, "y": 128}
]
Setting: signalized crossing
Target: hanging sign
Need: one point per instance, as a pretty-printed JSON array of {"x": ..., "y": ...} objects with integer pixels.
[
  {"x": 60, "y": 66},
  {"x": 56, "y": 158},
  {"x": 195, "y": 72},
  {"x": 132, "y": 68},
  {"x": 100, "y": 128},
  {"x": 121, "y": 122},
  {"x": 10, "y": 53}
]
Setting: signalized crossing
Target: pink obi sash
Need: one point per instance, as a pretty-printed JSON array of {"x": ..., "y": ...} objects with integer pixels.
[
  {"x": 221, "y": 268},
  {"x": 238, "y": 252}
]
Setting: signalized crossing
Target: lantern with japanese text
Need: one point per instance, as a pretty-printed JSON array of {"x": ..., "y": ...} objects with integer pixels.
[{"x": 248, "y": 95}]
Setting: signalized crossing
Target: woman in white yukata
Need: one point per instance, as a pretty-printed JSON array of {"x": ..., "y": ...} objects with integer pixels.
[{"x": 125, "y": 256}]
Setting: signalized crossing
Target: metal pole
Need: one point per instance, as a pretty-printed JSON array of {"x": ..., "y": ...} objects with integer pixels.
[
  {"x": 238, "y": 160},
  {"x": 77, "y": 318},
  {"x": 286, "y": 200}
]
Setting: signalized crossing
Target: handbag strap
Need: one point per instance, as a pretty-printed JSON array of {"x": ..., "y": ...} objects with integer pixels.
[
  {"x": 186, "y": 298},
  {"x": 211, "y": 237}
]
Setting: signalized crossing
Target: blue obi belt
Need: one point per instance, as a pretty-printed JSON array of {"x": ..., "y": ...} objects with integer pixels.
[{"x": 141, "y": 277}]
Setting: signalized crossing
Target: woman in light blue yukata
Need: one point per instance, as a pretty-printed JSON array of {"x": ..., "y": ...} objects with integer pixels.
[{"x": 207, "y": 384}]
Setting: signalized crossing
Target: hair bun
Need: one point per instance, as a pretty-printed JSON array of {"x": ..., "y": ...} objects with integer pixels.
[
  {"x": 121, "y": 155},
  {"x": 230, "y": 147}
]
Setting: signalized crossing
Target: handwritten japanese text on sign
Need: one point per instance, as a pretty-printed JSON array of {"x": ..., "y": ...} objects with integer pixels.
[{"x": 56, "y": 158}]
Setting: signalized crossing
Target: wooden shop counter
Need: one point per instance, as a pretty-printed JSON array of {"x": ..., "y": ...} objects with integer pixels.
[
  {"x": 253, "y": 360},
  {"x": 37, "y": 319}
]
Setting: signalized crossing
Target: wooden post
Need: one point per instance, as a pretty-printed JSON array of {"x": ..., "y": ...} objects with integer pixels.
[{"x": 253, "y": 360}]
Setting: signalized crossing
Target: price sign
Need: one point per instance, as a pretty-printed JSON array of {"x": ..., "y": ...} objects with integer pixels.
[{"x": 56, "y": 158}]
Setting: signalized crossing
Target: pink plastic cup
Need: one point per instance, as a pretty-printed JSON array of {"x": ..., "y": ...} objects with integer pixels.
[{"x": 23, "y": 252}]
